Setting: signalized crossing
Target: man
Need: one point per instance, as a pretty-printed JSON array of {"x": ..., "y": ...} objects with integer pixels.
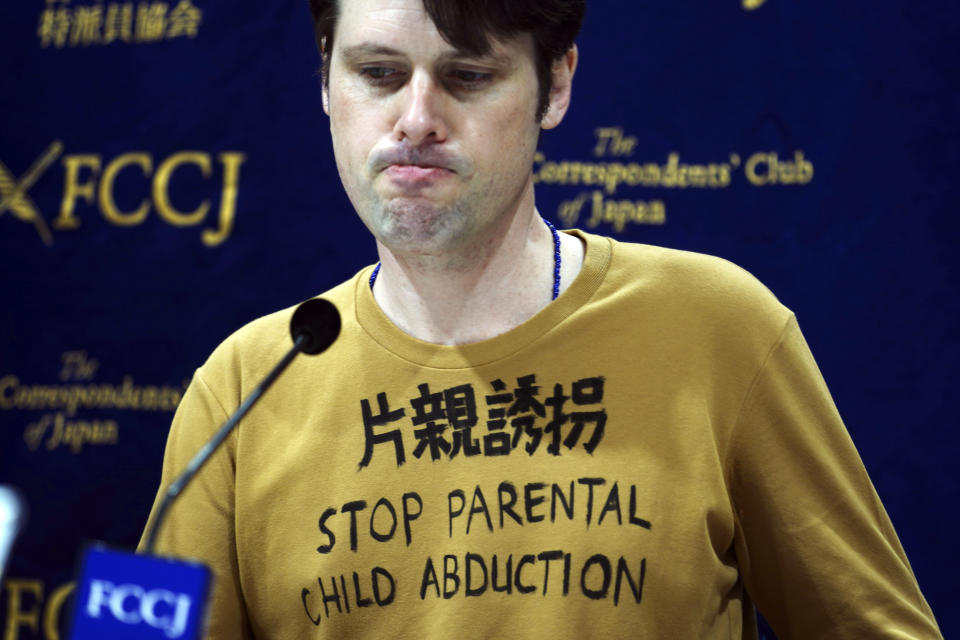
[{"x": 521, "y": 433}]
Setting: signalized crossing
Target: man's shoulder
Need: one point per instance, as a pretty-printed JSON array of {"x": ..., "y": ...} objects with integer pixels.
[
  {"x": 686, "y": 283},
  {"x": 692, "y": 272}
]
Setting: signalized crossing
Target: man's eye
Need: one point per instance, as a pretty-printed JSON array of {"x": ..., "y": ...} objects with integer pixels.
[
  {"x": 470, "y": 78},
  {"x": 379, "y": 74}
]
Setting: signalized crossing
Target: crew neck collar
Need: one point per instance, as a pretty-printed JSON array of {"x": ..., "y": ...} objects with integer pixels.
[{"x": 377, "y": 325}]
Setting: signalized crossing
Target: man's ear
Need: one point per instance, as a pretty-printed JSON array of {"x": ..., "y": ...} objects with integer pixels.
[
  {"x": 325, "y": 76},
  {"x": 562, "y": 84}
]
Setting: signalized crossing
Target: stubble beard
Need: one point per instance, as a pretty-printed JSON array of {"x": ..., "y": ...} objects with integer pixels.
[{"x": 420, "y": 229}]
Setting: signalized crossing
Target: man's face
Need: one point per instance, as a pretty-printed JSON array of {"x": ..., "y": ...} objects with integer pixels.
[{"x": 434, "y": 146}]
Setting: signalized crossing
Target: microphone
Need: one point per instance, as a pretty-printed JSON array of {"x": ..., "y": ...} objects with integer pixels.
[
  {"x": 169, "y": 596},
  {"x": 314, "y": 327},
  {"x": 11, "y": 522},
  {"x": 318, "y": 321}
]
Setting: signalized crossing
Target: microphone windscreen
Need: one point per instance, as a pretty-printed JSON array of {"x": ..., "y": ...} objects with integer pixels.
[{"x": 319, "y": 321}]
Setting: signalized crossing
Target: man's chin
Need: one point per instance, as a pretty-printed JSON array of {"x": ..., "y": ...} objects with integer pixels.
[{"x": 419, "y": 232}]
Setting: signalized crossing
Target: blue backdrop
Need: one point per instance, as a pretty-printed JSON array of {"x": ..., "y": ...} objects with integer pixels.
[{"x": 166, "y": 176}]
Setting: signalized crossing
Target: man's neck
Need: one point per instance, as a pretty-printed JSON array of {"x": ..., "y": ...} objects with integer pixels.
[{"x": 459, "y": 299}]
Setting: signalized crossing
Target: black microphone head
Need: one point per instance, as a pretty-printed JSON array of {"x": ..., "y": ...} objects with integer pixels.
[{"x": 319, "y": 322}]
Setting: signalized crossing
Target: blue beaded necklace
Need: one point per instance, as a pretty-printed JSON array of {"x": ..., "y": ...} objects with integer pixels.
[{"x": 556, "y": 262}]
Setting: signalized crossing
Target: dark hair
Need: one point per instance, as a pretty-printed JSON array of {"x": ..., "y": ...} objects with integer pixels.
[{"x": 469, "y": 26}]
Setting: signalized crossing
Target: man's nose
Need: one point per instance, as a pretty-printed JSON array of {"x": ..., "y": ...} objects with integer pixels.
[{"x": 422, "y": 117}]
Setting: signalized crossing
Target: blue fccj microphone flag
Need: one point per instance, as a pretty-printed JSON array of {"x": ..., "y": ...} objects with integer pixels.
[{"x": 122, "y": 595}]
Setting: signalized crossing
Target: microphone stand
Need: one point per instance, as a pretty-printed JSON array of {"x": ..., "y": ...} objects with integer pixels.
[{"x": 201, "y": 457}]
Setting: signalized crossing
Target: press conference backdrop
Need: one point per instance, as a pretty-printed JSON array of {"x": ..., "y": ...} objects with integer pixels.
[{"x": 166, "y": 176}]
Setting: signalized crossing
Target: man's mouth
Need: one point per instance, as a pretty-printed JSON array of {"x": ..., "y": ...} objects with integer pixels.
[
  {"x": 416, "y": 173},
  {"x": 412, "y": 162}
]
